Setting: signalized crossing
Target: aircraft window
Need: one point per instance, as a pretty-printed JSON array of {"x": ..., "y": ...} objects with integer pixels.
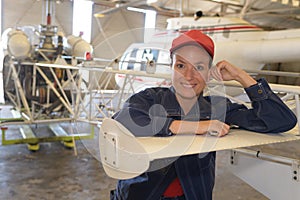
[
  {"x": 137, "y": 58},
  {"x": 150, "y": 54},
  {"x": 144, "y": 55},
  {"x": 130, "y": 64},
  {"x": 132, "y": 58},
  {"x": 133, "y": 53}
]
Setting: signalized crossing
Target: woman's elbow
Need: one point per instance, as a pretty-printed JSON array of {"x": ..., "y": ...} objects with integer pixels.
[{"x": 286, "y": 124}]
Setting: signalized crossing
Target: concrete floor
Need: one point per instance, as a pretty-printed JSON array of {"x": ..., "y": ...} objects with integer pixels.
[
  {"x": 53, "y": 172},
  {"x": 56, "y": 172}
]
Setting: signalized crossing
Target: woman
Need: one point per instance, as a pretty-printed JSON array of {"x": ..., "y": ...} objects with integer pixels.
[{"x": 182, "y": 109}]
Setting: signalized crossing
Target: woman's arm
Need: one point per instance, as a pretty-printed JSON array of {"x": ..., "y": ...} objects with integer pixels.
[
  {"x": 199, "y": 127},
  {"x": 143, "y": 117},
  {"x": 269, "y": 113}
]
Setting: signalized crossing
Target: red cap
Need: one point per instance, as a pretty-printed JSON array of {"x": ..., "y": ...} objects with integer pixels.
[{"x": 193, "y": 37}]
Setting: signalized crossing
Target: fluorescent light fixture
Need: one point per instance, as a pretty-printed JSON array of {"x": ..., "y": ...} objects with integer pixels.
[
  {"x": 151, "y": 1},
  {"x": 136, "y": 9},
  {"x": 295, "y": 3},
  {"x": 285, "y": 2},
  {"x": 99, "y": 15}
]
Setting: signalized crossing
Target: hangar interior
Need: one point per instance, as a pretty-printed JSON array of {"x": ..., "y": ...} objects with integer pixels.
[{"x": 57, "y": 171}]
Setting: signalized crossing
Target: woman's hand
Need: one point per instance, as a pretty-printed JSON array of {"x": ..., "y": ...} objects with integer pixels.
[
  {"x": 225, "y": 71},
  {"x": 215, "y": 126},
  {"x": 199, "y": 127}
]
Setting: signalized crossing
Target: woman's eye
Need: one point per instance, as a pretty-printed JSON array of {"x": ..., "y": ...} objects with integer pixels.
[
  {"x": 180, "y": 66},
  {"x": 199, "y": 67}
]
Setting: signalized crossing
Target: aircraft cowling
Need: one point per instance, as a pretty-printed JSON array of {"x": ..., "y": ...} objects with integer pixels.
[
  {"x": 77, "y": 46},
  {"x": 253, "y": 54},
  {"x": 18, "y": 44}
]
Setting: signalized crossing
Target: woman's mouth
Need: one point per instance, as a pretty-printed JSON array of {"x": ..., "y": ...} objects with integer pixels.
[{"x": 186, "y": 85}]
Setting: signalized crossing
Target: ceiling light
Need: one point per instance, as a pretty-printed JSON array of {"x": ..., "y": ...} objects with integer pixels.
[
  {"x": 136, "y": 9},
  {"x": 151, "y": 1},
  {"x": 99, "y": 15}
]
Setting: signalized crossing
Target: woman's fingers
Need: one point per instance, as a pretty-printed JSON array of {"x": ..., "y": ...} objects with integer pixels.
[
  {"x": 218, "y": 128},
  {"x": 215, "y": 73},
  {"x": 213, "y": 127}
]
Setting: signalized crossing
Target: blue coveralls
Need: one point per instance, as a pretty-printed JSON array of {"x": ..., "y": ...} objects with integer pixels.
[{"x": 150, "y": 113}]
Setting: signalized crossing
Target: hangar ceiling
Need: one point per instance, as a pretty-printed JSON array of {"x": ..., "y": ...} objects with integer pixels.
[{"x": 270, "y": 14}]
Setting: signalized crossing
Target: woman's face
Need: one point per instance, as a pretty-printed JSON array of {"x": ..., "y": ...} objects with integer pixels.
[{"x": 190, "y": 71}]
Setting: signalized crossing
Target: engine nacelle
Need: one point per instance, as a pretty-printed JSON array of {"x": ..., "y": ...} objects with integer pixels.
[
  {"x": 18, "y": 44},
  {"x": 77, "y": 46}
]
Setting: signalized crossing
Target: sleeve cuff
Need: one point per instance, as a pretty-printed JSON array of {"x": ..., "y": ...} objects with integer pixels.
[
  {"x": 259, "y": 91},
  {"x": 166, "y": 131}
]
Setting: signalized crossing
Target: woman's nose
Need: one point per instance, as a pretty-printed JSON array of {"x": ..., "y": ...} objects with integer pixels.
[{"x": 190, "y": 72}]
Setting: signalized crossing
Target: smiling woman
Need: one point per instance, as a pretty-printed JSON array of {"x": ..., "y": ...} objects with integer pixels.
[{"x": 183, "y": 109}]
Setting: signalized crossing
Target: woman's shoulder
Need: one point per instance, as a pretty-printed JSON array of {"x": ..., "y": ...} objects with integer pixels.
[{"x": 157, "y": 90}]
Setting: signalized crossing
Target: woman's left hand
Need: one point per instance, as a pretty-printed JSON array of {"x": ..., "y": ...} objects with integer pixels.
[{"x": 225, "y": 71}]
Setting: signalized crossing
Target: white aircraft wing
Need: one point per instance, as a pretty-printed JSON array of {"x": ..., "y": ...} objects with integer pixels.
[{"x": 125, "y": 156}]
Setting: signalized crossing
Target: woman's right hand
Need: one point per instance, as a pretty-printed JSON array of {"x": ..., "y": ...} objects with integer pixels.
[
  {"x": 199, "y": 127},
  {"x": 216, "y": 126}
]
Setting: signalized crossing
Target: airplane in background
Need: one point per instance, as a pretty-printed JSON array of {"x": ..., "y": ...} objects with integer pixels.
[
  {"x": 242, "y": 43},
  {"x": 236, "y": 40}
]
